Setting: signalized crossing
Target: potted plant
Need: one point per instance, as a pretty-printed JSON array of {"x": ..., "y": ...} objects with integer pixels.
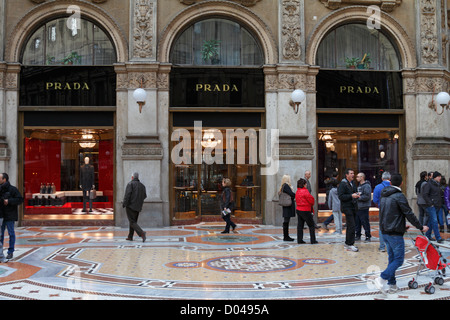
[
  {"x": 72, "y": 58},
  {"x": 366, "y": 60},
  {"x": 50, "y": 60},
  {"x": 351, "y": 63},
  {"x": 210, "y": 50}
]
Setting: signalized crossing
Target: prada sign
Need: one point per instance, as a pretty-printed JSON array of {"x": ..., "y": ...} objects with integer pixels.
[
  {"x": 359, "y": 89},
  {"x": 216, "y": 87},
  {"x": 67, "y": 86}
]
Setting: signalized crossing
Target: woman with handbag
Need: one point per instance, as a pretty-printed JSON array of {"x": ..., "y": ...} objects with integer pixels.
[
  {"x": 227, "y": 205},
  {"x": 304, "y": 201},
  {"x": 287, "y": 201}
]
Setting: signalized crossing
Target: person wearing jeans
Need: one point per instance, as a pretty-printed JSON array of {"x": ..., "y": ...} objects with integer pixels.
[
  {"x": 433, "y": 224},
  {"x": 394, "y": 210},
  {"x": 434, "y": 202}
]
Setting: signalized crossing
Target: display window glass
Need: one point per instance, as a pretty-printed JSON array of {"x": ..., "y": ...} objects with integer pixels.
[
  {"x": 197, "y": 188},
  {"x": 370, "y": 151},
  {"x": 69, "y": 171}
]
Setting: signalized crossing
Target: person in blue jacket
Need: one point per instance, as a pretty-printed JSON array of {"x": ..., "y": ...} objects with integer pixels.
[{"x": 386, "y": 176}]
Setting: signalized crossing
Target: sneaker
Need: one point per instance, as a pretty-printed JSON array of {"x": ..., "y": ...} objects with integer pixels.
[
  {"x": 325, "y": 226},
  {"x": 367, "y": 239},
  {"x": 382, "y": 249},
  {"x": 380, "y": 284},
  {"x": 393, "y": 289},
  {"x": 9, "y": 256},
  {"x": 4, "y": 260},
  {"x": 351, "y": 248}
]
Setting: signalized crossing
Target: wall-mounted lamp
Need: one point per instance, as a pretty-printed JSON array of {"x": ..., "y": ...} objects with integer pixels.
[
  {"x": 140, "y": 95},
  {"x": 297, "y": 97},
  {"x": 442, "y": 99}
]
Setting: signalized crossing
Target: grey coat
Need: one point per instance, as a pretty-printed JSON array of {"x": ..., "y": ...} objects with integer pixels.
[
  {"x": 333, "y": 200},
  {"x": 365, "y": 198},
  {"x": 135, "y": 193}
]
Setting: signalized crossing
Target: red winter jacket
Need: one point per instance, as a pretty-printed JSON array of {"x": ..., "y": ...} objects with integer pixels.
[{"x": 304, "y": 200}]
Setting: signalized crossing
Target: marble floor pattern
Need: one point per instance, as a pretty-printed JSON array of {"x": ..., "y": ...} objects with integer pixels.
[{"x": 196, "y": 262}]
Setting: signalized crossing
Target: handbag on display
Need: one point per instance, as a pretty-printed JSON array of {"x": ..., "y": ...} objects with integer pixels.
[{"x": 93, "y": 194}]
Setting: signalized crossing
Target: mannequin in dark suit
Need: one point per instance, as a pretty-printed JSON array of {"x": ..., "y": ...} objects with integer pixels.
[{"x": 87, "y": 182}]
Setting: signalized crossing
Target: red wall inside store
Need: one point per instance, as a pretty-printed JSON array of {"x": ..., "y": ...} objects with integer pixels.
[{"x": 42, "y": 164}]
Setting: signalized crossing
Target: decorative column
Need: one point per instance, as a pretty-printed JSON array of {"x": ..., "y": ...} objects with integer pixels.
[
  {"x": 430, "y": 149},
  {"x": 138, "y": 132}
]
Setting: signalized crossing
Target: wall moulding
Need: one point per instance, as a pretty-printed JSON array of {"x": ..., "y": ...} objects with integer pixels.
[
  {"x": 247, "y": 3},
  {"x": 385, "y": 5}
]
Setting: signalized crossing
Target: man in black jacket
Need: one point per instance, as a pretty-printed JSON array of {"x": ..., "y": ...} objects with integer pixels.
[
  {"x": 348, "y": 195},
  {"x": 133, "y": 200},
  {"x": 10, "y": 199},
  {"x": 433, "y": 205},
  {"x": 394, "y": 210}
]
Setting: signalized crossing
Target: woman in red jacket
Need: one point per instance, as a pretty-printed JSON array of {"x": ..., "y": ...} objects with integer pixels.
[{"x": 304, "y": 201}]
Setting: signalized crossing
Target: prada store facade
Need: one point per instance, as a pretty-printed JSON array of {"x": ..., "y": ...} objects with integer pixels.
[{"x": 216, "y": 77}]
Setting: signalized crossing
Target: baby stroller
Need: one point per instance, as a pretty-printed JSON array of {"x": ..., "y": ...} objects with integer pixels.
[{"x": 431, "y": 259}]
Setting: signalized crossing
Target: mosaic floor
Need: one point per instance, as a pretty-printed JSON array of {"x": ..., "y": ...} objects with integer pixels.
[{"x": 198, "y": 262}]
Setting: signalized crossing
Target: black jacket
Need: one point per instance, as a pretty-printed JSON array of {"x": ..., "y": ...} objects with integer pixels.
[
  {"x": 394, "y": 209},
  {"x": 345, "y": 191},
  {"x": 432, "y": 194},
  {"x": 135, "y": 194},
  {"x": 10, "y": 212},
  {"x": 289, "y": 212},
  {"x": 227, "y": 200}
]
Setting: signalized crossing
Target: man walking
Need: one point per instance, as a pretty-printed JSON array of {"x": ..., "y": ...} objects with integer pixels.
[
  {"x": 364, "y": 201},
  {"x": 135, "y": 193},
  {"x": 433, "y": 200},
  {"x": 394, "y": 209},
  {"x": 10, "y": 198},
  {"x": 348, "y": 196}
]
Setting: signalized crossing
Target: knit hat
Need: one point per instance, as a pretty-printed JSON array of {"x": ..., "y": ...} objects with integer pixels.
[{"x": 436, "y": 174}]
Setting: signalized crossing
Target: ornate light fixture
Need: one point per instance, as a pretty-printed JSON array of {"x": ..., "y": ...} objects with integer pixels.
[
  {"x": 209, "y": 139},
  {"x": 140, "y": 95},
  {"x": 297, "y": 97},
  {"x": 87, "y": 141},
  {"x": 442, "y": 99}
]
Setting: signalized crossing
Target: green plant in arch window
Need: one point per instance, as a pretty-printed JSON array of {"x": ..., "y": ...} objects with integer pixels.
[
  {"x": 210, "y": 50},
  {"x": 72, "y": 58}
]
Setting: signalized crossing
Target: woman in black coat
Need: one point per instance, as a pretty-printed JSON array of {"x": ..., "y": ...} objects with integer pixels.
[
  {"x": 288, "y": 212},
  {"x": 227, "y": 205}
]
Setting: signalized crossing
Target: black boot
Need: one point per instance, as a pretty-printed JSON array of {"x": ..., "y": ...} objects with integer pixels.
[
  {"x": 312, "y": 235},
  {"x": 286, "y": 232}
]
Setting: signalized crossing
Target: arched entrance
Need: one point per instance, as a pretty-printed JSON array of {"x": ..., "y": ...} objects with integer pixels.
[
  {"x": 66, "y": 106},
  {"x": 217, "y": 82}
]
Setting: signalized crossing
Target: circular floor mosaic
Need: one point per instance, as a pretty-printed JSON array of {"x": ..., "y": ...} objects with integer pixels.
[{"x": 255, "y": 263}]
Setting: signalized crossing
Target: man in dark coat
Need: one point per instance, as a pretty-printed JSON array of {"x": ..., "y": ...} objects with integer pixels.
[
  {"x": 87, "y": 182},
  {"x": 135, "y": 193},
  {"x": 10, "y": 198},
  {"x": 394, "y": 210},
  {"x": 348, "y": 195}
]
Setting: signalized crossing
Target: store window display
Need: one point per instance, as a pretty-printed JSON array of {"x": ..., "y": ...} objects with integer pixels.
[{"x": 63, "y": 171}]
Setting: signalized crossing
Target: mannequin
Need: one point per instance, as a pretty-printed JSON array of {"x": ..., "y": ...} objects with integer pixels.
[{"x": 87, "y": 182}]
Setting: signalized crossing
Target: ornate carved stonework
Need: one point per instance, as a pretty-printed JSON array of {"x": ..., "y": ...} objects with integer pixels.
[
  {"x": 385, "y": 5},
  {"x": 291, "y": 30},
  {"x": 247, "y": 3},
  {"x": 295, "y": 148},
  {"x": 143, "y": 29},
  {"x": 94, "y": 1},
  {"x": 142, "y": 150},
  {"x": 429, "y": 45},
  {"x": 431, "y": 150}
]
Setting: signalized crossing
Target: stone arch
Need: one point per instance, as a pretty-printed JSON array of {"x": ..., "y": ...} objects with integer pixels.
[
  {"x": 35, "y": 17},
  {"x": 395, "y": 31},
  {"x": 225, "y": 9}
]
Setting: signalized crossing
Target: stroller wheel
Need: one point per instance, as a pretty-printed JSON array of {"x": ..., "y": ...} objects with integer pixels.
[
  {"x": 413, "y": 284},
  {"x": 439, "y": 281},
  {"x": 429, "y": 288}
]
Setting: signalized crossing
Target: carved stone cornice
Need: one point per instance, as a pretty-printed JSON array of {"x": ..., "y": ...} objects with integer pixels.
[
  {"x": 41, "y": 1},
  {"x": 431, "y": 149},
  {"x": 385, "y": 5},
  {"x": 295, "y": 148},
  {"x": 287, "y": 77},
  {"x": 247, "y": 3},
  {"x": 145, "y": 75},
  {"x": 142, "y": 148},
  {"x": 425, "y": 81}
]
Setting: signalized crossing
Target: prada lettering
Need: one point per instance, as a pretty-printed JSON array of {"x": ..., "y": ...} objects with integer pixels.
[
  {"x": 66, "y": 86},
  {"x": 357, "y": 89},
  {"x": 205, "y": 87}
]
